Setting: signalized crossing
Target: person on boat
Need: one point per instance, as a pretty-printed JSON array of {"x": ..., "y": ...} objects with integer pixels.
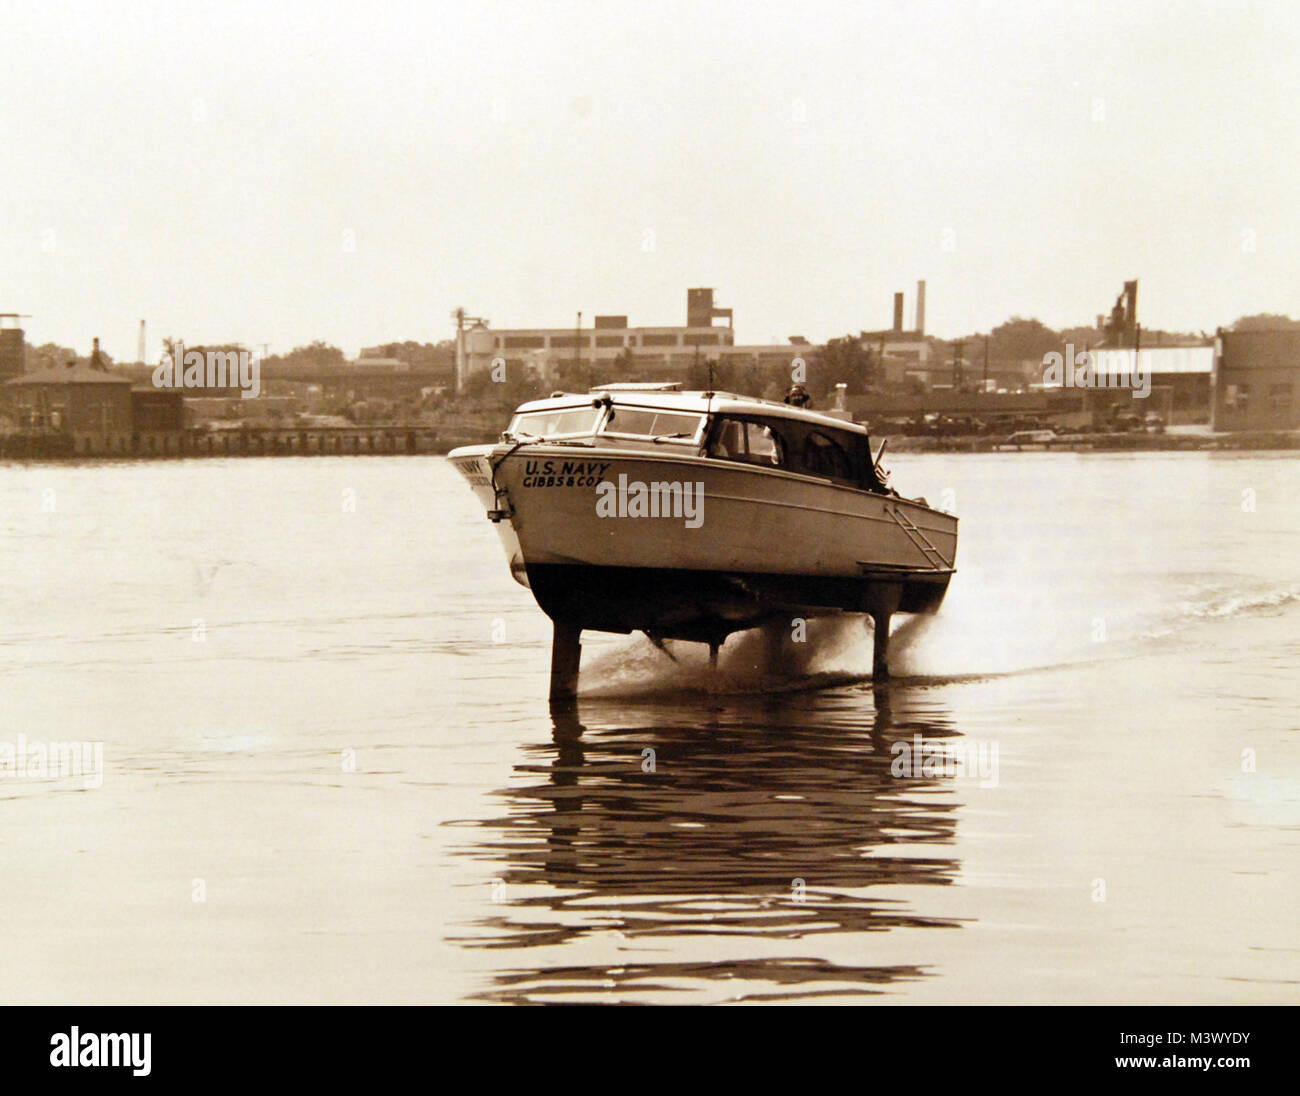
[{"x": 798, "y": 396}]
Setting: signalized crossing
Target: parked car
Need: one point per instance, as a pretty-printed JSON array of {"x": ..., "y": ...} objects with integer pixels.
[{"x": 1029, "y": 439}]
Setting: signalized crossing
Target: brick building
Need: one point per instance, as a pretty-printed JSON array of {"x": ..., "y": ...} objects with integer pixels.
[{"x": 71, "y": 409}]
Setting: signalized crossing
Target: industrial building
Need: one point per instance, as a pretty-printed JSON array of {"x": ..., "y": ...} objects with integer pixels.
[
  {"x": 12, "y": 348},
  {"x": 668, "y": 352},
  {"x": 71, "y": 410},
  {"x": 903, "y": 354},
  {"x": 84, "y": 410},
  {"x": 1175, "y": 381},
  {"x": 1256, "y": 374},
  {"x": 373, "y": 358},
  {"x": 1179, "y": 379},
  {"x": 158, "y": 419}
]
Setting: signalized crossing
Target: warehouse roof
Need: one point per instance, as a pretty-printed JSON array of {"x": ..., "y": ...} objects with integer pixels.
[{"x": 68, "y": 374}]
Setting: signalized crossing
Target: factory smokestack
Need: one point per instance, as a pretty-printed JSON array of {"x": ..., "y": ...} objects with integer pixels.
[
  {"x": 898, "y": 313},
  {"x": 920, "y": 307},
  {"x": 1131, "y": 305}
]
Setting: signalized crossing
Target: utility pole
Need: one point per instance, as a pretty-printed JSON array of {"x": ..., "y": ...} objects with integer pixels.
[
  {"x": 986, "y": 363},
  {"x": 459, "y": 317},
  {"x": 577, "y": 349},
  {"x": 957, "y": 348}
]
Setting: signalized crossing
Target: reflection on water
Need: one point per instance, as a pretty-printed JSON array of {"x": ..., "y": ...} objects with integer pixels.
[{"x": 772, "y": 817}]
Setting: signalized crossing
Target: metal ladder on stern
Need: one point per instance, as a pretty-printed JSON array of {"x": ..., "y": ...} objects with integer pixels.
[{"x": 917, "y": 536}]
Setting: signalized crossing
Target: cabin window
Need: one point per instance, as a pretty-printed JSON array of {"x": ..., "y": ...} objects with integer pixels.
[
  {"x": 762, "y": 444},
  {"x": 645, "y": 422},
  {"x": 752, "y": 442},
  {"x": 569, "y": 422},
  {"x": 728, "y": 440},
  {"x": 823, "y": 456}
]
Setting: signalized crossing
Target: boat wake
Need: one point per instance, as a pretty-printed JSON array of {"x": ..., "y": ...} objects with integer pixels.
[
  {"x": 953, "y": 647},
  {"x": 830, "y": 655},
  {"x": 1221, "y": 604}
]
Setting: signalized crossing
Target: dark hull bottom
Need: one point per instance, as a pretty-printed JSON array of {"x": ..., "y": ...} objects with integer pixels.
[{"x": 707, "y": 606}]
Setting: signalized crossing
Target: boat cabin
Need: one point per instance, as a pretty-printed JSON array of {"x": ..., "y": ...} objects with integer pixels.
[{"x": 711, "y": 425}]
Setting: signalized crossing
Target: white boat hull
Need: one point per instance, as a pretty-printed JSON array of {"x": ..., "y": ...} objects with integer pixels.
[{"x": 730, "y": 546}]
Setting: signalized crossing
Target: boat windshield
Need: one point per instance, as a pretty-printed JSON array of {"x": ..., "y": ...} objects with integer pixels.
[
  {"x": 646, "y": 422},
  {"x": 566, "y": 422}
]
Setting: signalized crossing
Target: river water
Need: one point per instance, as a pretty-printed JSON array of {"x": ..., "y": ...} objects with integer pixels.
[{"x": 330, "y": 773}]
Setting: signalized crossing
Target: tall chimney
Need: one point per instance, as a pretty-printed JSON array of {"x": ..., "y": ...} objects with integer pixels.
[
  {"x": 898, "y": 313},
  {"x": 1131, "y": 304},
  {"x": 920, "y": 307}
]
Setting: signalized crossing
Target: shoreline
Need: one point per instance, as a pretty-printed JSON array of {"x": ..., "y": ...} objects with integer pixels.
[
  {"x": 1251, "y": 441},
  {"x": 313, "y": 441},
  {"x": 393, "y": 440}
]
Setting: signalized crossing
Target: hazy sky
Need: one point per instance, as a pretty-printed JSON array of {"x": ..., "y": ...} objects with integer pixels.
[{"x": 280, "y": 172}]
